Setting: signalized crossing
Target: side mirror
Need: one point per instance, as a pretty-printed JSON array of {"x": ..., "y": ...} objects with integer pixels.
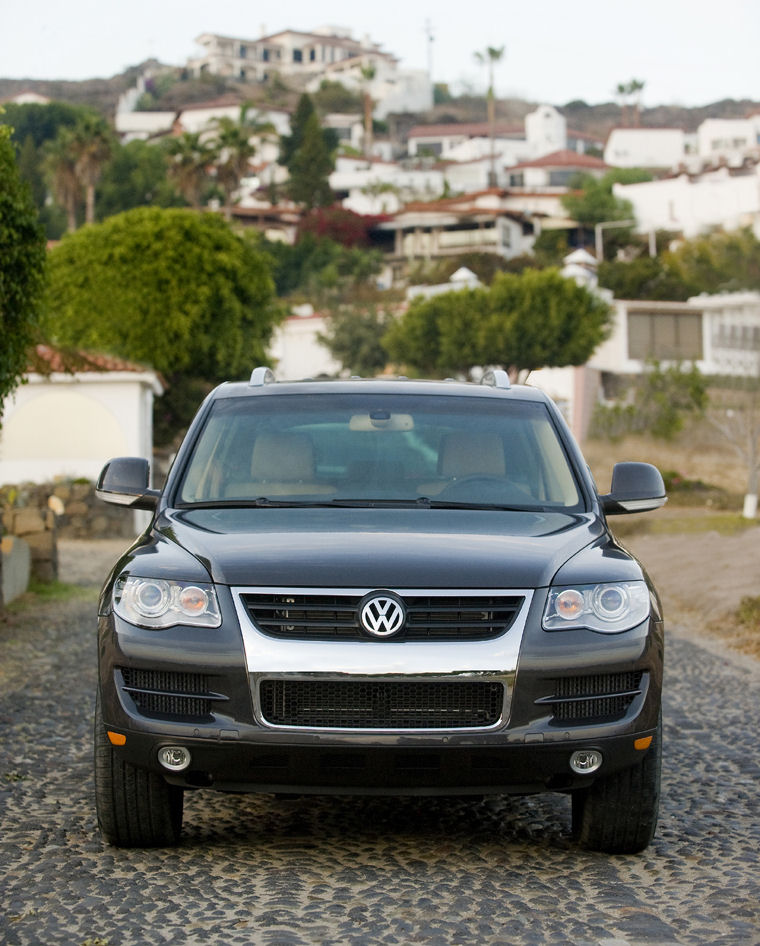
[
  {"x": 636, "y": 487},
  {"x": 124, "y": 482}
]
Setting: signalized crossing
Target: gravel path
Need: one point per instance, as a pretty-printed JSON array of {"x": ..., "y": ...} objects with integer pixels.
[{"x": 262, "y": 870}]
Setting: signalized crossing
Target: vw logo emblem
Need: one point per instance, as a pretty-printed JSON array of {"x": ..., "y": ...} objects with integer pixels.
[{"x": 382, "y": 614}]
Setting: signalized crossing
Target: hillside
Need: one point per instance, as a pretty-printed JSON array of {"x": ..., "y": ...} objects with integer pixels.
[{"x": 596, "y": 120}]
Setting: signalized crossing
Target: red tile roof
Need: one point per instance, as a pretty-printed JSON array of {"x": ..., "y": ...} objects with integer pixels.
[
  {"x": 468, "y": 129},
  {"x": 43, "y": 359},
  {"x": 563, "y": 159}
]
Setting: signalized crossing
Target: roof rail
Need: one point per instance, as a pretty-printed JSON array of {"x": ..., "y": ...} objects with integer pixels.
[
  {"x": 261, "y": 375},
  {"x": 497, "y": 378}
]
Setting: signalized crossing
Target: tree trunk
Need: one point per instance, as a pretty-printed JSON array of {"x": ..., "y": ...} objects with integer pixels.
[
  {"x": 750, "y": 497},
  {"x": 90, "y": 209}
]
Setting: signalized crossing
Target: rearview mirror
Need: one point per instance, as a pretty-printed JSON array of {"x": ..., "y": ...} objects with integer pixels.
[
  {"x": 636, "y": 487},
  {"x": 124, "y": 482}
]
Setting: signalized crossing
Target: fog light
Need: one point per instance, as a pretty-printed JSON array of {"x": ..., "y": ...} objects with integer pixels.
[
  {"x": 174, "y": 758},
  {"x": 585, "y": 761}
]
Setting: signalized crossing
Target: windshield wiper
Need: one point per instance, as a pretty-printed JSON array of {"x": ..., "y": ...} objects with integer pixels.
[
  {"x": 425, "y": 502},
  {"x": 421, "y": 502},
  {"x": 261, "y": 502}
]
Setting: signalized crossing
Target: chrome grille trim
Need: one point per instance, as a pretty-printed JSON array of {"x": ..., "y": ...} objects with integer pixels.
[
  {"x": 490, "y": 661},
  {"x": 320, "y": 615}
]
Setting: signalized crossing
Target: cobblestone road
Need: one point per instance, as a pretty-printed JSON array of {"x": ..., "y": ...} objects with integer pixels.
[{"x": 260, "y": 870}]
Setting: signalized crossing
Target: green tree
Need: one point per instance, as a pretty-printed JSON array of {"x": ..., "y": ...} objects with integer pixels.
[
  {"x": 593, "y": 201},
  {"x": 662, "y": 401},
  {"x": 92, "y": 143},
  {"x": 289, "y": 144},
  {"x": 720, "y": 262},
  {"x": 646, "y": 277},
  {"x": 60, "y": 167},
  {"x": 335, "y": 97},
  {"x": 538, "y": 319},
  {"x": 234, "y": 150},
  {"x": 310, "y": 168},
  {"x": 189, "y": 158},
  {"x": 439, "y": 336},
  {"x": 136, "y": 176},
  {"x": 167, "y": 287},
  {"x": 22, "y": 264},
  {"x": 33, "y": 128},
  {"x": 524, "y": 321},
  {"x": 368, "y": 73},
  {"x": 490, "y": 57},
  {"x": 354, "y": 337}
]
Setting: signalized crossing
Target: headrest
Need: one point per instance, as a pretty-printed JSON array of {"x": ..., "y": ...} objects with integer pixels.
[
  {"x": 282, "y": 457},
  {"x": 469, "y": 453}
]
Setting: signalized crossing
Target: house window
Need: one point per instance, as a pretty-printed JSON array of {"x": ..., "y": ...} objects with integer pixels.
[
  {"x": 664, "y": 335},
  {"x": 265, "y": 55},
  {"x": 561, "y": 178},
  {"x": 243, "y": 52},
  {"x": 297, "y": 55},
  {"x": 312, "y": 55}
]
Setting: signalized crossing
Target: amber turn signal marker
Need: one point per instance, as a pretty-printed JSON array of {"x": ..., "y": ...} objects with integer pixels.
[
  {"x": 644, "y": 743},
  {"x": 116, "y": 738}
]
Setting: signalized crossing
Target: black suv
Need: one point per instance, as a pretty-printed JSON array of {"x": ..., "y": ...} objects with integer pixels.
[{"x": 379, "y": 586}]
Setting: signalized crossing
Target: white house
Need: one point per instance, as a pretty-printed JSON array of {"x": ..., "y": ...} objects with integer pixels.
[
  {"x": 131, "y": 126},
  {"x": 390, "y": 88},
  {"x": 545, "y": 131},
  {"x": 476, "y": 222},
  {"x": 693, "y": 205},
  {"x": 645, "y": 148},
  {"x": 557, "y": 169},
  {"x": 727, "y": 139},
  {"x": 296, "y": 350},
  {"x": 67, "y": 421},
  {"x": 379, "y": 187},
  {"x": 289, "y": 52},
  {"x": 720, "y": 334}
]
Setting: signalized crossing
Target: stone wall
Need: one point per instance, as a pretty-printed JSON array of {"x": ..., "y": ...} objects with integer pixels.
[{"x": 40, "y": 513}]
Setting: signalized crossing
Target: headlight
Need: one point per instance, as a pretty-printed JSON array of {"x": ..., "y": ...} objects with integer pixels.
[
  {"x": 156, "y": 602},
  {"x": 610, "y": 607}
]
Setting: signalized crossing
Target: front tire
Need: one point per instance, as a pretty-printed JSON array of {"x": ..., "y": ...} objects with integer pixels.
[
  {"x": 136, "y": 808},
  {"x": 618, "y": 813}
]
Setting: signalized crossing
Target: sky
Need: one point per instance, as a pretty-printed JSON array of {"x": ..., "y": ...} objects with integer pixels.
[{"x": 686, "y": 52}]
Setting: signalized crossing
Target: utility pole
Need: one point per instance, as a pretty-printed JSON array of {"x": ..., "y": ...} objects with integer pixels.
[{"x": 430, "y": 36}]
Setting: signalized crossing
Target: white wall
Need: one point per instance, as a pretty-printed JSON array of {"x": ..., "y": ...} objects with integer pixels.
[
  {"x": 297, "y": 351},
  {"x": 645, "y": 148},
  {"x": 728, "y": 138},
  {"x": 69, "y": 426},
  {"x": 716, "y": 199},
  {"x": 545, "y": 131}
]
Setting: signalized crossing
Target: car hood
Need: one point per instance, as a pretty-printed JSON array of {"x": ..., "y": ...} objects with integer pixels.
[{"x": 385, "y": 548}]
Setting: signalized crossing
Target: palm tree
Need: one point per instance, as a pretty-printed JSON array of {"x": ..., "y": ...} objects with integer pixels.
[
  {"x": 92, "y": 145},
  {"x": 621, "y": 93},
  {"x": 189, "y": 159},
  {"x": 234, "y": 150},
  {"x": 635, "y": 88},
  {"x": 489, "y": 57},
  {"x": 368, "y": 74},
  {"x": 60, "y": 169}
]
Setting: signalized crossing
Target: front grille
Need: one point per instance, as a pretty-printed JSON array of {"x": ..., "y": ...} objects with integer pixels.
[
  {"x": 600, "y": 697},
  {"x": 351, "y": 704},
  {"x": 166, "y": 694},
  {"x": 429, "y": 617}
]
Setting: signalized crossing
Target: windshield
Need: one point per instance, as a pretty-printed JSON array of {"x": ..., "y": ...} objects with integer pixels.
[{"x": 379, "y": 448}]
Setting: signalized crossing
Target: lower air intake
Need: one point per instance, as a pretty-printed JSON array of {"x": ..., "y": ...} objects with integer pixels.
[{"x": 381, "y": 705}]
